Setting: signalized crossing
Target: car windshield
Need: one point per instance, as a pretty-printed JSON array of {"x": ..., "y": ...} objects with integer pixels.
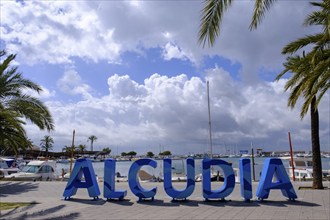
[{"x": 31, "y": 168}]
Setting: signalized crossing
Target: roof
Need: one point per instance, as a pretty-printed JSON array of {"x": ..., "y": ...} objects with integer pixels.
[{"x": 41, "y": 162}]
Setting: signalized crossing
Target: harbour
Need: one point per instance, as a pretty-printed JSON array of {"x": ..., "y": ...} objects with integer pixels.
[{"x": 178, "y": 166}]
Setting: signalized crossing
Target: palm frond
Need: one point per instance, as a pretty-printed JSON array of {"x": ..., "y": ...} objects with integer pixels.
[
  {"x": 212, "y": 14},
  {"x": 301, "y": 42},
  {"x": 260, "y": 8}
]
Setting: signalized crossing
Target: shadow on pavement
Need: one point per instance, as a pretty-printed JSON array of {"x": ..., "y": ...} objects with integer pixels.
[
  {"x": 25, "y": 213},
  {"x": 125, "y": 202},
  {"x": 87, "y": 201},
  {"x": 157, "y": 202},
  {"x": 14, "y": 188},
  {"x": 288, "y": 203},
  {"x": 188, "y": 202}
]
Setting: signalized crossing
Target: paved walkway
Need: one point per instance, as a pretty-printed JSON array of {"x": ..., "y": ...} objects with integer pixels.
[{"x": 311, "y": 204}]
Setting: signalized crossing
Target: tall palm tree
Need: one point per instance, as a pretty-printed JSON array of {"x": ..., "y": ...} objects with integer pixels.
[
  {"x": 212, "y": 14},
  {"x": 15, "y": 106},
  {"x": 92, "y": 139},
  {"x": 47, "y": 143},
  {"x": 317, "y": 77},
  {"x": 311, "y": 77}
]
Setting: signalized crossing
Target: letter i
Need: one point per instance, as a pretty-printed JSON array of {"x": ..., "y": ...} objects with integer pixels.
[{"x": 245, "y": 179}]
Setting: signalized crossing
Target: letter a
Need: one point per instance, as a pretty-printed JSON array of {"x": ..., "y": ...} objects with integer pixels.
[
  {"x": 275, "y": 166},
  {"x": 82, "y": 166}
]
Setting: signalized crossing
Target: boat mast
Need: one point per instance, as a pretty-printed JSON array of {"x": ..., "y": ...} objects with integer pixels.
[
  {"x": 209, "y": 111},
  {"x": 72, "y": 150}
]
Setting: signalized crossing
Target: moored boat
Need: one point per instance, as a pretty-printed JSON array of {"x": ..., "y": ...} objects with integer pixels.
[
  {"x": 36, "y": 170},
  {"x": 303, "y": 169},
  {"x": 8, "y": 166}
]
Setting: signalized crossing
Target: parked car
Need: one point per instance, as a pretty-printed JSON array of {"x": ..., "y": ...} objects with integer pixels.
[{"x": 36, "y": 170}]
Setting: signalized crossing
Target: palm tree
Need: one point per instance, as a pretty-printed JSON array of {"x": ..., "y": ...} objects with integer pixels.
[
  {"x": 92, "y": 138},
  {"x": 212, "y": 14},
  {"x": 81, "y": 148},
  {"x": 15, "y": 106},
  {"x": 47, "y": 143},
  {"x": 312, "y": 84},
  {"x": 12, "y": 134},
  {"x": 69, "y": 150},
  {"x": 311, "y": 77}
]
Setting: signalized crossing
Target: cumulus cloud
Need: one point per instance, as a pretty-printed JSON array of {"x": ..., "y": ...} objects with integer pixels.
[
  {"x": 71, "y": 83},
  {"x": 172, "y": 111},
  {"x": 54, "y": 32},
  {"x": 172, "y": 51}
]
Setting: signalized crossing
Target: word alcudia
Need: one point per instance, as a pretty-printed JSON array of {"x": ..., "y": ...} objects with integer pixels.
[{"x": 273, "y": 169}]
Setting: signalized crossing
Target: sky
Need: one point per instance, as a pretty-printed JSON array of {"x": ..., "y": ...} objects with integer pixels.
[{"x": 133, "y": 74}]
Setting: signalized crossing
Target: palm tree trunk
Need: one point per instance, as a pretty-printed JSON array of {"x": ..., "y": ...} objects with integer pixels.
[{"x": 317, "y": 165}]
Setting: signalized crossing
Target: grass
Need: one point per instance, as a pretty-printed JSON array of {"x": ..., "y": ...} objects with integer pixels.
[{"x": 12, "y": 205}]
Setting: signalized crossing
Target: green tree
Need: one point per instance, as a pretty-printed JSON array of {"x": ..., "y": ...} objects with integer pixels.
[
  {"x": 213, "y": 12},
  {"x": 92, "y": 139},
  {"x": 166, "y": 153},
  {"x": 69, "y": 150},
  {"x": 131, "y": 153},
  {"x": 16, "y": 105},
  {"x": 150, "y": 154},
  {"x": 12, "y": 134},
  {"x": 123, "y": 154},
  {"x": 81, "y": 148},
  {"x": 106, "y": 150},
  {"x": 47, "y": 143},
  {"x": 311, "y": 77}
]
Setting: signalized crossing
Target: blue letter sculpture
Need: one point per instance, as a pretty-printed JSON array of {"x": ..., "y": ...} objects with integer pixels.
[
  {"x": 82, "y": 166},
  {"x": 245, "y": 179},
  {"x": 133, "y": 181},
  {"x": 179, "y": 194},
  {"x": 109, "y": 181},
  {"x": 275, "y": 166},
  {"x": 229, "y": 179}
]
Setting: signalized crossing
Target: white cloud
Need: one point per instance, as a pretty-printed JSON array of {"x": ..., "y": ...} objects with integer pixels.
[
  {"x": 171, "y": 51},
  {"x": 172, "y": 111},
  {"x": 71, "y": 83},
  {"x": 123, "y": 87},
  {"x": 55, "y": 32}
]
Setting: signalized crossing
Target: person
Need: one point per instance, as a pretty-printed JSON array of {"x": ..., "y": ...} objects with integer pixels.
[{"x": 63, "y": 173}]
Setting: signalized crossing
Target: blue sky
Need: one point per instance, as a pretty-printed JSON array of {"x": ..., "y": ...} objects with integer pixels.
[{"x": 133, "y": 74}]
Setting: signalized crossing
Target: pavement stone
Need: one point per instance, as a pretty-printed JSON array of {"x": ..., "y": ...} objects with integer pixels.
[{"x": 50, "y": 204}]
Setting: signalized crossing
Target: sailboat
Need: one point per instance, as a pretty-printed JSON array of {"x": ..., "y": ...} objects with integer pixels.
[{"x": 215, "y": 175}]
